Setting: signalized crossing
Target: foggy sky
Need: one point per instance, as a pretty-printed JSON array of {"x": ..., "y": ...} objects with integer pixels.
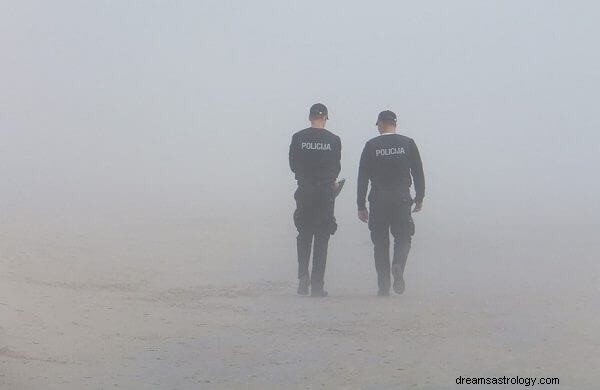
[{"x": 187, "y": 108}]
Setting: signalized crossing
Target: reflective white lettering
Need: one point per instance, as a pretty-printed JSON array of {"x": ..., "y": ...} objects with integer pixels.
[
  {"x": 389, "y": 152},
  {"x": 315, "y": 146}
]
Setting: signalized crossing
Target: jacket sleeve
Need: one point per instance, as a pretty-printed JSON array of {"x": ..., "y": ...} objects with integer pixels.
[
  {"x": 292, "y": 154},
  {"x": 338, "y": 158},
  {"x": 416, "y": 170},
  {"x": 363, "y": 179}
]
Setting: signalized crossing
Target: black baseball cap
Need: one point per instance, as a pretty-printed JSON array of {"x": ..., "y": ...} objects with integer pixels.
[
  {"x": 386, "y": 115},
  {"x": 318, "y": 109}
]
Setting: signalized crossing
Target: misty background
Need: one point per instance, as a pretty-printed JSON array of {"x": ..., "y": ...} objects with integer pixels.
[
  {"x": 187, "y": 108},
  {"x": 146, "y": 234}
]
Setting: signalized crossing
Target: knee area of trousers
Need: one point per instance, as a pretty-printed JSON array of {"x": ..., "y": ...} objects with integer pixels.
[
  {"x": 402, "y": 240},
  {"x": 322, "y": 237},
  {"x": 380, "y": 238},
  {"x": 303, "y": 236}
]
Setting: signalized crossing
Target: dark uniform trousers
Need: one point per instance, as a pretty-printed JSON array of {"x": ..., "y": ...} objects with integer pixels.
[
  {"x": 390, "y": 211},
  {"x": 314, "y": 219}
]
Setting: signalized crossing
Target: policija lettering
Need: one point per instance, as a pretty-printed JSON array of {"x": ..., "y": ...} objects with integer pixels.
[
  {"x": 389, "y": 152},
  {"x": 315, "y": 146}
]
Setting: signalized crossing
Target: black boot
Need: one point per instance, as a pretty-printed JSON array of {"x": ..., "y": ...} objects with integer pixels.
[
  {"x": 303, "y": 284},
  {"x": 318, "y": 293},
  {"x": 399, "y": 284}
]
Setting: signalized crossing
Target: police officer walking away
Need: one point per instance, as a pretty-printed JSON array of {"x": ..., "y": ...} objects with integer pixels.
[
  {"x": 389, "y": 161},
  {"x": 315, "y": 159}
]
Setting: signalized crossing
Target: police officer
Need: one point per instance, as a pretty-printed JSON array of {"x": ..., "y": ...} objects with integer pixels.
[
  {"x": 389, "y": 161},
  {"x": 315, "y": 159}
]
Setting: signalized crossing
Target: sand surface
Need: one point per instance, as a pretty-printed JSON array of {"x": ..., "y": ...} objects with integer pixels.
[{"x": 207, "y": 303}]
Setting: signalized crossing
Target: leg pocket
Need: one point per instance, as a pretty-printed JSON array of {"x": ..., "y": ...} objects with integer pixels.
[{"x": 411, "y": 227}]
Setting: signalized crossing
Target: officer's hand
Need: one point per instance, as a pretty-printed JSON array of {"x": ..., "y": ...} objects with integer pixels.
[
  {"x": 363, "y": 215},
  {"x": 418, "y": 207}
]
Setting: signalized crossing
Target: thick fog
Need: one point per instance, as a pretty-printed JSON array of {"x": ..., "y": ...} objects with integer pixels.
[
  {"x": 189, "y": 107},
  {"x": 144, "y": 169}
]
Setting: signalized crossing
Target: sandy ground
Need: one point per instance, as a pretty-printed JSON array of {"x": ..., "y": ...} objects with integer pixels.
[{"x": 202, "y": 304}]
